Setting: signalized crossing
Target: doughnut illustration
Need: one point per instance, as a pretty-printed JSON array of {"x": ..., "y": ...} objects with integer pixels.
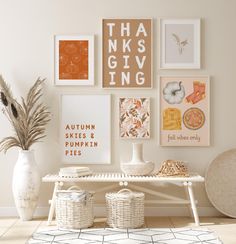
[
  {"x": 194, "y": 118},
  {"x": 174, "y": 92},
  {"x": 172, "y": 119}
]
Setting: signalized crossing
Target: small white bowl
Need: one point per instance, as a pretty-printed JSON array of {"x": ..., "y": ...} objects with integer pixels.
[{"x": 137, "y": 168}]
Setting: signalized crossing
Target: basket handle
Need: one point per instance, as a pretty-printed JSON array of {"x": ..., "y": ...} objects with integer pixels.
[
  {"x": 78, "y": 188},
  {"x": 73, "y": 188},
  {"x": 125, "y": 190}
]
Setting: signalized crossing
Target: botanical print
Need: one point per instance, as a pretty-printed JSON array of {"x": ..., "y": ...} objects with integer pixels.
[
  {"x": 180, "y": 43},
  {"x": 73, "y": 59},
  {"x": 184, "y": 108},
  {"x": 127, "y": 53},
  {"x": 134, "y": 117}
]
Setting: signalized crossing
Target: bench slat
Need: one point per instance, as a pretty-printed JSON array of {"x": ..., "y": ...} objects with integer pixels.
[{"x": 117, "y": 177}]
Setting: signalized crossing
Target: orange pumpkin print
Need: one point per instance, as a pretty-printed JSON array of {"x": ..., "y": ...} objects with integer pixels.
[{"x": 73, "y": 59}]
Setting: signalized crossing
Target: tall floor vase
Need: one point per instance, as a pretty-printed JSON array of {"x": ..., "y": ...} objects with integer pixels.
[{"x": 26, "y": 184}]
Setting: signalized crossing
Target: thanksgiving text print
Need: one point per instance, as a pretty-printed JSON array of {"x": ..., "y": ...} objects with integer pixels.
[{"x": 127, "y": 53}]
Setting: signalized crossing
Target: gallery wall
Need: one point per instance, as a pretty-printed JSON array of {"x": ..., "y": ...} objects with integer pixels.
[{"x": 27, "y": 51}]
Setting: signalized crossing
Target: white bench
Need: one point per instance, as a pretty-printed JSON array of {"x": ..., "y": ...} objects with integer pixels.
[{"x": 125, "y": 180}]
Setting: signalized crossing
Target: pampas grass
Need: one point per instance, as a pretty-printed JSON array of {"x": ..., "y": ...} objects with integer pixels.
[{"x": 28, "y": 119}]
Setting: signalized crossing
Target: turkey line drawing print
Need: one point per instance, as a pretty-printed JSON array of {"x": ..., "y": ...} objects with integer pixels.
[{"x": 180, "y": 43}]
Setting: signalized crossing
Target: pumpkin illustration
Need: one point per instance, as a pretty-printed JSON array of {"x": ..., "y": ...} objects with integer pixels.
[{"x": 174, "y": 92}]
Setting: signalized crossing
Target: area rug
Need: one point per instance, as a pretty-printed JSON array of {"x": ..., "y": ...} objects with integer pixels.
[{"x": 126, "y": 236}]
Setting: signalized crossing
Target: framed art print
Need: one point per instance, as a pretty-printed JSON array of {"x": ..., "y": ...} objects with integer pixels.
[
  {"x": 134, "y": 118},
  {"x": 85, "y": 133},
  {"x": 184, "y": 111},
  {"x": 74, "y": 60},
  {"x": 180, "y": 43},
  {"x": 127, "y": 53}
]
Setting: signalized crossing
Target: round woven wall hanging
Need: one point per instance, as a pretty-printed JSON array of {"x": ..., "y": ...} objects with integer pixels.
[{"x": 220, "y": 181}]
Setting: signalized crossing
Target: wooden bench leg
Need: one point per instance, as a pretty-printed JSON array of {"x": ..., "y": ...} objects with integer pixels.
[
  {"x": 52, "y": 202},
  {"x": 193, "y": 203}
]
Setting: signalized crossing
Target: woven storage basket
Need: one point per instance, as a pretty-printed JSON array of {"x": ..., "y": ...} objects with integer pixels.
[
  {"x": 173, "y": 168},
  {"x": 125, "y": 209},
  {"x": 72, "y": 212}
]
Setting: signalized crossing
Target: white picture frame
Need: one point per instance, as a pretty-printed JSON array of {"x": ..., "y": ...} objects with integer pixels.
[
  {"x": 85, "y": 119},
  {"x": 180, "y": 43},
  {"x": 78, "y": 66}
]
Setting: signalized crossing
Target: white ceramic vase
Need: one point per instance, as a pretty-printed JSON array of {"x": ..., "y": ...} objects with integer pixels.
[
  {"x": 26, "y": 184},
  {"x": 137, "y": 155},
  {"x": 137, "y": 165}
]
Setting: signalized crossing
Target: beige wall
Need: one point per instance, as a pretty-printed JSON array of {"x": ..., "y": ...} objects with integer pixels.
[{"x": 26, "y": 51}]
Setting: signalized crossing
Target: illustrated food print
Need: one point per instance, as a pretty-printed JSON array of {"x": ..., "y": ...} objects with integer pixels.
[{"x": 174, "y": 93}]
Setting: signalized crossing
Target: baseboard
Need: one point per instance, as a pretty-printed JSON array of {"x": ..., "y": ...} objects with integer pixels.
[{"x": 100, "y": 211}]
